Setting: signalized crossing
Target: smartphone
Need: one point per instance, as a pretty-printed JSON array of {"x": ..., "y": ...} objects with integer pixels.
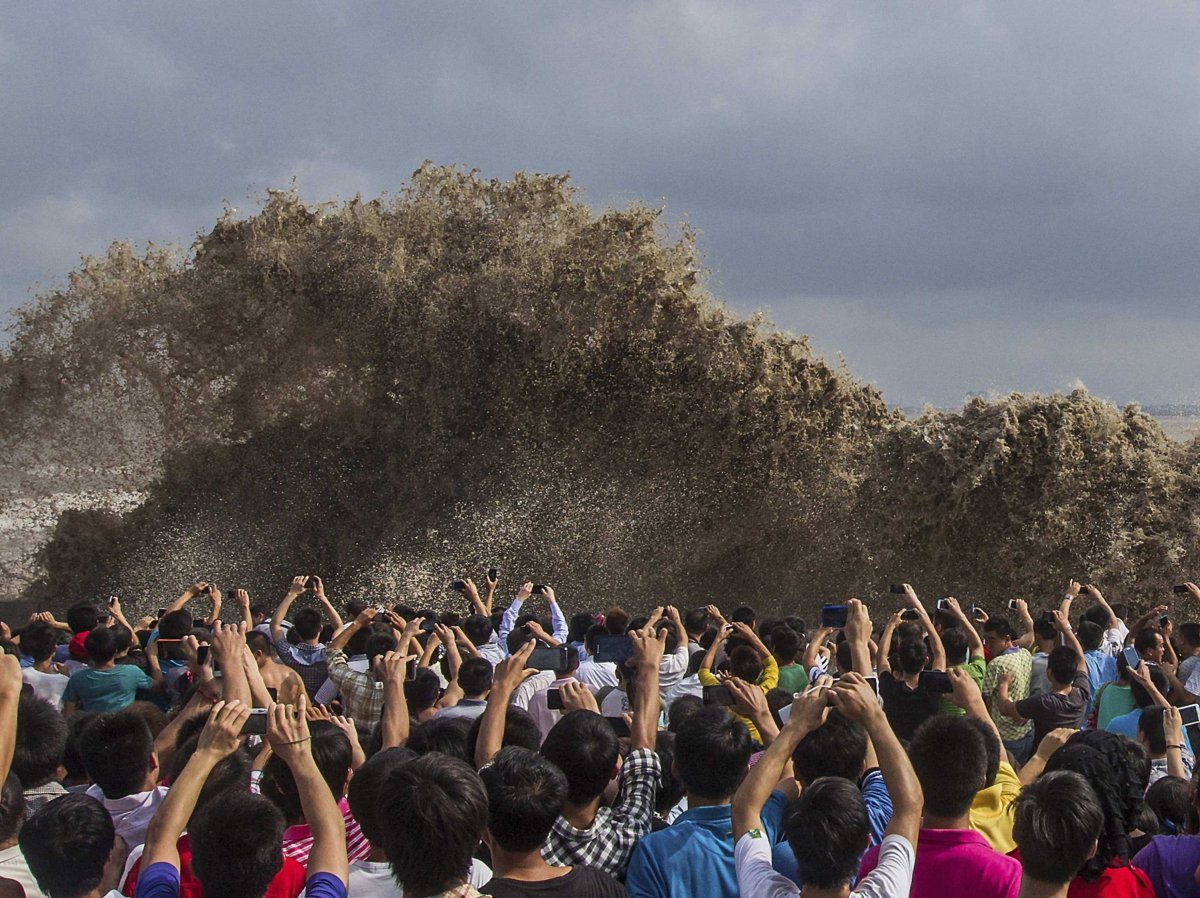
[
  {"x": 1163, "y": 620},
  {"x": 256, "y": 723},
  {"x": 910, "y": 614},
  {"x": 493, "y": 573},
  {"x": 943, "y": 605},
  {"x": 975, "y": 612},
  {"x": 428, "y": 625},
  {"x": 718, "y": 695},
  {"x": 620, "y": 727},
  {"x": 936, "y": 681},
  {"x": 834, "y": 616},
  {"x": 613, "y": 648},
  {"x": 1190, "y": 715},
  {"x": 410, "y": 672},
  {"x": 202, "y": 655},
  {"x": 162, "y": 612},
  {"x": 550, "y": 658},
  {"x": 1180, "y": 588},
  {"x": 873, "y": 682},
  {"x": 1131, "y": 657},
  {"x": 457, "y": 586},
  {"x": 1012, "y": 604},
  {"x": 896, "y": 589},
  {"x": 554, "y": 700},
  {"x": 170, "y": 649},
  {"x": 538, "y": 589}
]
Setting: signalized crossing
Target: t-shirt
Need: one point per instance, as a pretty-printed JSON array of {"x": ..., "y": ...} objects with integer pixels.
[
  {"x": 49, "y": 687},
  {"x": 793, "y": 678},
  {"x": 891, "y": 877},
  {"x": 991, "y": 814},
  {"x": 161, "y": 880},
  {"x": 1053, "y": 710},
  {"x": 373, "y": 879},
  {"x": 1019, "y": 664},
  {"x": 14, "y": 867},
  {"x": 1115, "y": 700},
  {"x": 1169, "y": 862},
  {"x": 905, "y": 708},
  {"x": 581, "y": 882},
  {"x": 1115, "y": 882},
  {"x": 106, "y": 690},
  {"x": 956, "y": 862},
  {"x": 287, "y": 883},
  {"x": 977, "y": 668}
]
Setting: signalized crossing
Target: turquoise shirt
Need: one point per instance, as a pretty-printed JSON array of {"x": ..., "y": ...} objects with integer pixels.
[{"x": 106, "y": 690}]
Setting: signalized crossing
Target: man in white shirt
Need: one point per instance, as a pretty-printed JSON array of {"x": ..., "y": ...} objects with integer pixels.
[
  {"x": 47, "y": 679},
  {"x": 118, "y": 753}
]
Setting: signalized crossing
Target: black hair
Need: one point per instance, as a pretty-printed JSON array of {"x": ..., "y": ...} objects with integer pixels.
[
  {"x": 695, "y": 622},
  {"x": 589, "y": 637},
  {"x": 991, "y": 742},
  {"x": 1104, "y": 760},
  {"x": 681, "y": 709},
  {"x": 256, "y": 610},
  {"x": 785, "y": 643},
  {"x": 1090, "y": 635},
  {"x": 836, "y": 748},
  {"x": 231, "y": 774},
  {"x": 519, "y": 729},
  {"x": 377, "y": 644},
  {"x": 1056, "y": 822},
  {"x": 82, "y": 616},
  {"x": 1000, "y": 627},
  {"x": 577, "y": 629},
  {"x": 365, "y": 785},
  {"x": 950, "y": 758},
  {"x": 447, "y": 735},
  {"x": 101, "y": 645},
  {"x": 73, "y": 752},
  {"x": 1170, "y": 800},
  {"x": 12, "y": 807},
  {"x": 175, "y": 624},
  {"x": 38, "y": 640},
  {"x": 332, "y": 754},
  {"x": 712, "y": 750},
  {"x": 258, "y": 641},
  {"x": 307, "y": 623},
  {"x": 956, "y": 644},
  {"x": 828, "y": 829},
  {"x": 745, "y": 664},
  {"x": 667, "y": 627},
  {"x": 1044, "y": 629},
  {"x": 1097, "y": 615},
  {"x": 41, "y": 740},
  {"x": 117, "y": 750},
  {"x": 912, "y": 656},
  {"x": 525, "y": 796},
  {"x": 237, "y": 844},
  {"x": 1146, "y": 639},
  {"x": 572, "y": 653},
  {"x": 475, "y": 676},
  {"x": 516, "y": 638},
  {"x": 1062, "y": 665},
  {"x": 1141, "y": 695},
  {"x": 423, "y": 690},
  {"x": 1150, "y": 722},
  {"x": 1188, "y": 633},
  {"x": 743, "y": 614},
  {"x": 432, "y": 812},
  {"x": 67, "y": 844},
  {"x": 584, "y": 747},
  {"x": 478, "y": 629},
  {"x": 617, "y": 621},
  {"x": 670, "y": 789}
]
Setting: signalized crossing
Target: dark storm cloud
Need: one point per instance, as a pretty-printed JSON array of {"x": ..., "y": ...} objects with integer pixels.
[{"x": 958, "y": 197}]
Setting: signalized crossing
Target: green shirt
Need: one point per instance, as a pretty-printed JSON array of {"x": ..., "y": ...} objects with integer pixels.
[
  {"x": 793, "y": 678},
  {"x": 977, "y": 668},
  {"x": 106, "y": 690}
]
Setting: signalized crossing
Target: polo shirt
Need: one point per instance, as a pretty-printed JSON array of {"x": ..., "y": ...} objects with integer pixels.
[
  {"x": 1018, "y": 663},
  {"x": 694, "y": 856},
  {"x": 953, "y": 862},
  {"x": 991, "y": 814}
]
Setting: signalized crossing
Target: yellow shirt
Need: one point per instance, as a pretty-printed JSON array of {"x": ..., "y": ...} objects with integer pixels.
[
  {"x": 990, "y": 815},
  {"x": 768, "y": 681}
]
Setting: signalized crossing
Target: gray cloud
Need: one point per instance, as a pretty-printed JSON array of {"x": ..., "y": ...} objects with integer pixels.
[{"x": 986, "y": 196}]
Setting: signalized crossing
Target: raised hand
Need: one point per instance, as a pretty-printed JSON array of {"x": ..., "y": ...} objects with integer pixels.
[
  {"x": 287, "y": 731},
  {"x": 577, "y": 697},
  {"x": 811, "y": 708},
  {"x": 525, "y": 591},
  {"x": 854, "y": 698},
  {"x": 511, "y": 672},
  {"x": 222, "y": 733},
  {"x": 393, "y": 666},
  {"x": 298, "y": 585}
]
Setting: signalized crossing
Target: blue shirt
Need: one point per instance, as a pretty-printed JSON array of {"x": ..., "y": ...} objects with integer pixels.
[
  {"x": 106, "y": 690},
  {"x": 161, "y": 880},
  {"x": 1127, "y": 725},
  {"x": 879, "y": 813},
  {"x": 1101, "y": 669},
  {"x": 693, "y": 857}
]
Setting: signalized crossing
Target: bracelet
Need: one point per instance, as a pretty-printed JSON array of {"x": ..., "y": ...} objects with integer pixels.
[
  {"x": 1180, "y": 747},
  {"x": 297, "y": 741}
]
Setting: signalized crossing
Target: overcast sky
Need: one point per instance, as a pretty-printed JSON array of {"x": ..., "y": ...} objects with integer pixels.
[{"x": 975, "y": 197}]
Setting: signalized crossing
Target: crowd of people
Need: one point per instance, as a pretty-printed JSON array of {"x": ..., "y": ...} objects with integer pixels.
[{"x": 528, "y": 752}]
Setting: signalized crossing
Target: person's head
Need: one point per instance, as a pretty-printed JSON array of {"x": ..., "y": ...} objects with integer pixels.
[
  {"x": 1097, "y": 615},
  {"x": 260, "y": 646},
  {"x": 175, "y": 624},
  {"x": 1057, "y": 821},
  {"x": 584, "y": 747},
  {"x": 307, "y": 623},
  {"x": 1140, "y": 695},
  {"x": 519, "y": 729},
  {"x": 950, "y": 758},
  {"x": 828, "y": 830},
  {"x": 101, "y": 645},
  {"x": 422, "y": 691},
  {"x": 39, "y": 641},
  {"x": 670, "y": 788},
  {"x": 332, "y": 754},
  {"x": 912, "y": 656},
  {"x": 82, "y": 616},
  {"x": 744, "y": 614},
  {"x": 258, "y": 614},
  {"x": 41, "y": 741},
  {"x": 695, "y": 622},
  {"x": 1149, "y": 645},
  {"x": 364, "y": 789},
  {"x": 994, "y": 748},
  {"x": 1090, "y": 635},
  {"x": 118, "y": 752},
  {"x": 525, "y": 796},
  {"x": 1046, "y": 635},
  {"x": 572, "y": 654},
  {"x": 712, "y": 750},
  {"x": 1188, "y": 635},
  {"x": 954, "y": 641},
  {"x": 745, "y": 664},
  {"x": 836, "y": 748},
  {"x": 446, "y": 735},
  {"x": 432, "y": 813},
  {"x": 1061, "y": 665},
  {"x": 681, "y": 709},
  {"x": 785, "y": 644},
  {"x": 578, "y": 626},
  {"x": 478, "y": 629},
  {"x": 617, "y": 621},
  {"x": 73, "y": 753},
  {"x": 998, "y": 635},
  {"x": 378, "y": 644},
  {"x": 67, "y": 845},
  {"x": 475, "y": 677},
  {"x": 231, "y": 774},
  {"x": 12, "y": 807},
  {"x": 1170, "y": 800},
  {"x": 237, "y": 844},
  {"x": 1150, "y": 731}
]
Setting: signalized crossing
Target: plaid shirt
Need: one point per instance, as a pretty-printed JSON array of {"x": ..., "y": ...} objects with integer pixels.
[
  {"x": 610, "y": 840},
  {"x": 362, "y": 694},
  {"x": 1020, "y": 665},
  {"x": 307, "y": 660}
]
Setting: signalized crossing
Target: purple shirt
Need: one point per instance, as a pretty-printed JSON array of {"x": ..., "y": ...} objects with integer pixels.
[
  {"x": 1171, "y": 862},
  {"x": 956, "y": 862}
]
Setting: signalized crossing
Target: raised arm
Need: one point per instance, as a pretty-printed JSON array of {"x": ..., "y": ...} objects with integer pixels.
[
  {"x": 967, "y": 696},
  {"x": 1093, "y": 592},
  {"x": 509, "y": 619},
  {"x": 858, "y": 634},
  {"x": 114, "y": 608},
  {"x": 882, "y": 664},
  {"x": 392, "y": 668},
  {"x": 10, "y": 696},
  {"x": 1063, "y": 625},
  {"x": 558, "y": 623},
  {"x": 648, "y": 646},
  {"x": 1173, "y": 731},
  {"x": 229, "y": 647},
  {"x": 344, "y": 635},
  {"x": 298, "y": 585},
  {"x": 937, "y": 652},
  {"x": 243, "y": 602},
  {"x": 454, "y": 692},
  {"x": 319, "y": 592},
  {"x": 510, "y": 673},
  {"x": 1025, "y": 640},
  {"x": 188, "y": 594},
  {"x": 478, "y": 606}
]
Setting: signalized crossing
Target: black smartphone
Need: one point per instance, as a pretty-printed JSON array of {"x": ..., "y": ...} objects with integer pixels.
[
  {"x": 554, "y": 700},
  {"x": 161, "y": 612},
  {"x": 550, "y": 658},
  {"x": 1180, "y": 588},
  {"x": 620, "y": 727},
  {"x": 1012, "y": 604},
  {"x": 410, "y": 672},
  {"x": 896, "y": 589},
  {"x": 613, "y": 648},
  {"x": 910, "y": 614},
  {"x": 538, "y": 589},
  {"x": 718, "y": 695},
  {"x": 1163, "y": 620},
  {"x": 428, "y": 625},
  {"x": 936, "y": 681},
  {"x": 256, "y": 723},
  {"x": 493, "y": 573},
  {"x": 202, "y": 655},
  {"x": 834, "y": 616},
  {"x": 457, "y": 586},
  {"x": 1190, "y": 715},
  {"x": 873, "y": 682},
  {"x": 943, "y": 605}
]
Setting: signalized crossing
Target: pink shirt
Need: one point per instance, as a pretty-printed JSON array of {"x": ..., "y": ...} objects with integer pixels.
[{"x": 957, "y": 862}]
